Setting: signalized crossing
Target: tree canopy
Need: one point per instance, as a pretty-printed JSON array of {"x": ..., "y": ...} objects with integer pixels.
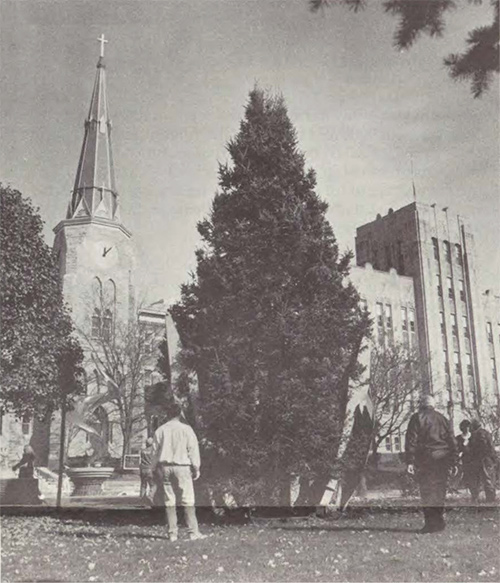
[
  {"x": 269, "y": 323},
  {"x": 478, "y": 63},
  {"x": 39, "y": 356}
]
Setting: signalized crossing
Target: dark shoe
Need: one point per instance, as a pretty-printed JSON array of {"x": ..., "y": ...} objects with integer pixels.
[{"x": 427, "y": 529}]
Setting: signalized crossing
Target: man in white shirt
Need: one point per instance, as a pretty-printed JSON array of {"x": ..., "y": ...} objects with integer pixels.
[{"x": 176, "y": 452}]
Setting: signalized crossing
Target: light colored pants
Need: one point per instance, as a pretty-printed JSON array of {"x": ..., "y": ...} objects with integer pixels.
[{"x": 178, "y": 487}]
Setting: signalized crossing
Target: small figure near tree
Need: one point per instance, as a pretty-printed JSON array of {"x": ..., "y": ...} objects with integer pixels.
[
  {"x": 146, "y": 469},
  {"x": 483, "y": 463},
  {"x": 26, "y": 465}
]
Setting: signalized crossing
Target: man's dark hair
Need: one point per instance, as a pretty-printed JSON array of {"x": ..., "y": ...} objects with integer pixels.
[
  {"x": 464, "y": 425},
  {"x": 173, "y": 410}
]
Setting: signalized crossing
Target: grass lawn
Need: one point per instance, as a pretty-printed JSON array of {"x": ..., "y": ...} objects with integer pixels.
[{"x": 360, "y": 546}]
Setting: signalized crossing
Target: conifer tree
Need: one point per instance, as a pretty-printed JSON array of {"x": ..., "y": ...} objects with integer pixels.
[{"x": 269, "y": 323}]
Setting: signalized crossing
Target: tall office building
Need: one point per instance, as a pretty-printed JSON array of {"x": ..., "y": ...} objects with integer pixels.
[{"x": 432, "y": 251}]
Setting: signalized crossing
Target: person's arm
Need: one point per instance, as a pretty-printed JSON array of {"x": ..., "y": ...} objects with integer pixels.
[
  {"x": 156, "y": 448},
  {"x": 452, "y": 444},
  {"x": 20, "y": 463},
  {"x": 194, "y": 453}
]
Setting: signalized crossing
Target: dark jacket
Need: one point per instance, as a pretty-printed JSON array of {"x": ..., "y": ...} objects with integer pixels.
[
  {"x": 146, "y": 463},
  {"x": 429, "y": 437},
  {"x": 26, "y": 466},
  {"x": 481, "y": 446}
]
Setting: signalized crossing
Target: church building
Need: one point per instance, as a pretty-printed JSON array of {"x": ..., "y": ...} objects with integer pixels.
[{"x": 96, "y": 256}]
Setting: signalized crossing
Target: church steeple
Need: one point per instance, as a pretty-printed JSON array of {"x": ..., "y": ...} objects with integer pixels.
[{"x": 94, "y": 193}]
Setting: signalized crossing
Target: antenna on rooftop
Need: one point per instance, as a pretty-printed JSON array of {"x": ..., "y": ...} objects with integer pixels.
[{"x": 414, "y": 190}]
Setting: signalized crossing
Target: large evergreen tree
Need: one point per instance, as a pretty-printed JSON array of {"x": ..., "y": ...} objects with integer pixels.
[
  {"x": 39, "y": 358},
  {"x": 269, "y": 323}
]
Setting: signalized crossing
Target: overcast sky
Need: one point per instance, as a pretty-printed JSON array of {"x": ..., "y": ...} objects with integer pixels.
[{"x": 179, "y": 73}]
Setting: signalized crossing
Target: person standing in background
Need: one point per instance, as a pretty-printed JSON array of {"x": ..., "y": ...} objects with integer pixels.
[
  {"x": 483, "y": 464},
  {"x": 431, "y": 452},
  {"x": 463, "y": 446},
  {"x": 146, "y": 471},
  {"x": 177, "y": 455}
]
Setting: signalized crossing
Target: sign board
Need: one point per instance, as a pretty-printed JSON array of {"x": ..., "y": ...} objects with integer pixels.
[{"x": 131, "y": 462}]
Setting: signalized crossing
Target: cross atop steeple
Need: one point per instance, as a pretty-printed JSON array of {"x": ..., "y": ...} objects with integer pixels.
[{"x": 103, "y": 41}]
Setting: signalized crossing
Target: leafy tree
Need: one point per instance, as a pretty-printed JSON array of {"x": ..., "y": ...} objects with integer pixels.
[
  {"x": 396, "y": 379},
  {"x": 123, "y": 354},
  {"x": 39, "y": 357},
  {"x": 479, "y": 61},
  {"x": 269, "y": 323}
]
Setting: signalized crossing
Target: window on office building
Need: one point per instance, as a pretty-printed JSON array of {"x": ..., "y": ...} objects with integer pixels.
[
  {"x": 465, "y": 325},
  {"x": 388, "y": 316},
  {"x": 489, "y": 332},
  {"x": 26, "y": 425},
  {"x": 454, "y": 325},
  {"x": 404, "y": 318},
  {"x": 412, "y": 320},
  {"x": 435, "y": 248},
  {"x": 380, "y": 315},
  {"x": 456, "y": 362},
  {"x": 458, "y": 254},
  {"x": 443, "y": 323},
  {"x": 493, "y": 368},
  {"x": 387, "y": 443},
  {"x": 449, "y": 284},
  {"x": 447, "y": 251},
  {"x": 397, "y": 442},
  {"x": 468, "y": 362},
  {"x": 462, "y": 289},
  {"x": 439, "y": 288}
]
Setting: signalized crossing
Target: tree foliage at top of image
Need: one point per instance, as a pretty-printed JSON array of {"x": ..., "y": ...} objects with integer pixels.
[
  {"x": 477, "y": 64},
  {"x": 269, "y": 322},
  {"x": 39, "y": 357}
]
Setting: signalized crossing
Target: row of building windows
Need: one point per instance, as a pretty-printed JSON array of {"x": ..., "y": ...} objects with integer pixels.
[
  {"x": 447, "y": 251},
  {"x": 449, "y": 287},
  {"x": 393, "y": 442},
  {"x": 384, "y": 317}
]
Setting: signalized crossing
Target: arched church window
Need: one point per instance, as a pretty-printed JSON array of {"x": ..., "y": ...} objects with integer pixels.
[
  {"x": 107, "y": 325},
  {"x": 97, "y": 292},
  {"x": 96, "y": 324},
  {"x": 110, "y": 295}
]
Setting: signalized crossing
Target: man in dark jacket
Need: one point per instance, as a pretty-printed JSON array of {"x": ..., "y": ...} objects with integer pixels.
[
  {"x": 431, "y": 452},
  {"x": 483, "y": 463}
]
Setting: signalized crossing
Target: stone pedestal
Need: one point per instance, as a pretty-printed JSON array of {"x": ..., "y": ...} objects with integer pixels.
[
  {"x": 19, "y": 492},
  {"x": 88, "y": 481}
]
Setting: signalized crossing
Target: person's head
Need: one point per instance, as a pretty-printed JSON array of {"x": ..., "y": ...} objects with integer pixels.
[
  {"x": 174, "y": 410},
  {"x": 426, "y": 400},
  {"x": 28, "y": 450},
  {"x": 149, "y": 441},
  {"x": 465, "y": 426}
]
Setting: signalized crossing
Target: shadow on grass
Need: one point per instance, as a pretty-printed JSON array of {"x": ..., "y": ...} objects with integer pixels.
[
  {"x": 344, "y": 528},
  {"x": 91, "y": 534}
]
